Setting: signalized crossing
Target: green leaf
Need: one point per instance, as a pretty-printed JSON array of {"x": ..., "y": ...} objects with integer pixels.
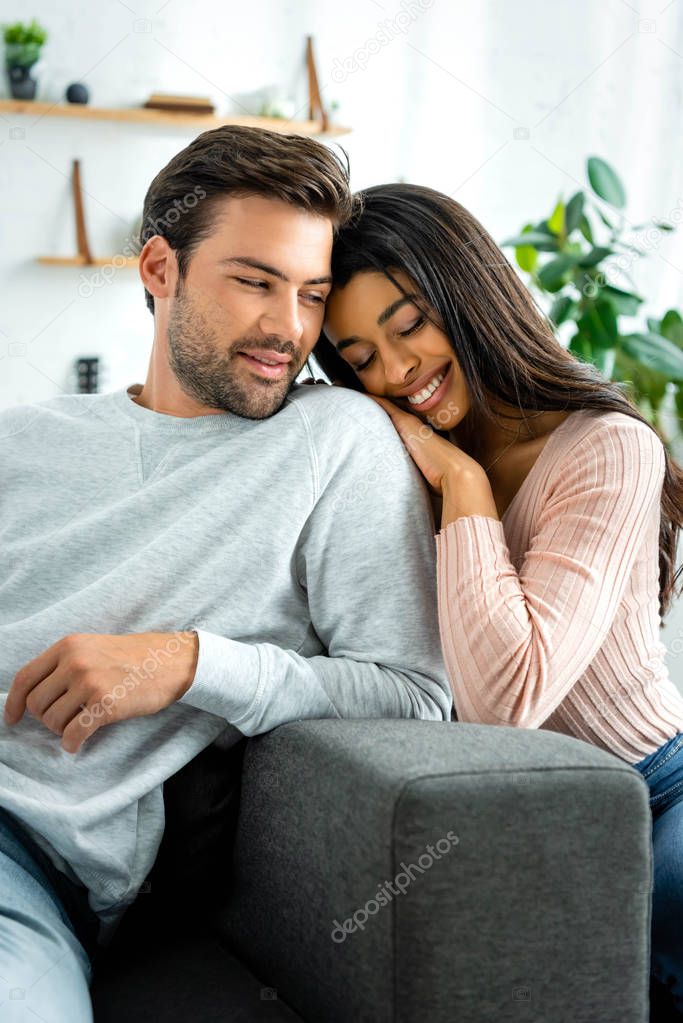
[
  {"x": 672, "y": 327},
  {"x": 605, "y": 182},
  {"x": 646, "y": 382},
  {"x": 552, "y": 275},
  {"x": 581, "y": 347},
  {"x": 608, "y": 223},
  {"x": 625, "y": 302},
  {"x": 656, "y": 389},
  {"x": 595, "y": 256},
  {"x": 563, "y": 308},
  {"x": 574, "y": 213},
  {"x": 586, "y": 229},
  {"x": 604, "y": 359},
  {"x": 599, "y": 323},
  {"x": 527, "y": 258},
  {"x": 539, "y": 241},
  {"x": 556, "y": 219},
  {"x": 655, "y": 352}
]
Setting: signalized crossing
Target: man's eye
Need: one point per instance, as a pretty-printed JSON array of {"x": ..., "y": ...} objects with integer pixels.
[
  {"x": 316, "y": 299},
  {"x": 251, "y": 283}
]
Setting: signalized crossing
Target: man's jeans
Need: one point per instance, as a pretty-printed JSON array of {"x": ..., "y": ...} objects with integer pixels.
[
  {"x": 663, "y": 772},
  {"x": 45, "y": 970}
]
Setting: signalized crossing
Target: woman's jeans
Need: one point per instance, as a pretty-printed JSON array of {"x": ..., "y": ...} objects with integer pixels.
[
  {"x": 45, "y": 970},
  {"x": 663, "y": 772}
]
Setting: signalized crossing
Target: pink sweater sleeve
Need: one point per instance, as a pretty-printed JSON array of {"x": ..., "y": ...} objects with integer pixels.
[{"x": 514, "y": 643}]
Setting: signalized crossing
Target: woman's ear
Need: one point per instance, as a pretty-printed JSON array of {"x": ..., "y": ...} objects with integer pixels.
[{"x": 158, "y": 267}]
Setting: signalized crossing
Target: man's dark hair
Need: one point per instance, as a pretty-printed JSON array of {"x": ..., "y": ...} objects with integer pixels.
[{"x": 239, "y": 161}]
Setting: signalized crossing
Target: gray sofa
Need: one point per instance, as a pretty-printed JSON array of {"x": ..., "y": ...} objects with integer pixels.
[{"x": 533, "y": 904}]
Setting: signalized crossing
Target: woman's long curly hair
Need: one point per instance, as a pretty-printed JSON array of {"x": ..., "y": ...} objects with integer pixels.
[{"x": 505, "y": 347}]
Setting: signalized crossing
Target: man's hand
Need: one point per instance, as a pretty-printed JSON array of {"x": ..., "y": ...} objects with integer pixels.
[{"x": 87, "y": 680}]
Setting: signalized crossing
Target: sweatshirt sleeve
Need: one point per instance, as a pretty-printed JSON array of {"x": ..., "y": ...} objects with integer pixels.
[
  {"x": 516, "y": 642},
  {"x": 366, "y": 558}
]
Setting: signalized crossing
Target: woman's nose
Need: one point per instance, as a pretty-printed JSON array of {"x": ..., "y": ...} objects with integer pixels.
[{"x": 400, "y": 368}]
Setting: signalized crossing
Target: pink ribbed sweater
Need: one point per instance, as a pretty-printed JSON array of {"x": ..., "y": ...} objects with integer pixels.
[{"x": 550, "y": 617}]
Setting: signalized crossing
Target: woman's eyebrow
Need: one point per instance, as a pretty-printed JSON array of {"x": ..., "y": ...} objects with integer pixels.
[
  {"x": 394, "y": 307},
  {"x": 381, "y": 319}
]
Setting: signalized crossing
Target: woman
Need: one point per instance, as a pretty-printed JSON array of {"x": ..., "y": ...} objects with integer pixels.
[{"x": 559, "y": 505}]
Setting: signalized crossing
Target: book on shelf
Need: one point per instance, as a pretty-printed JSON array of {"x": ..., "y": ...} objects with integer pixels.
[{"x": 180, "y": 104}]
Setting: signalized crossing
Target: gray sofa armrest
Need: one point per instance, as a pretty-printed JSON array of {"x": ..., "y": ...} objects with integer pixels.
[{"x": 533, "y": 903}]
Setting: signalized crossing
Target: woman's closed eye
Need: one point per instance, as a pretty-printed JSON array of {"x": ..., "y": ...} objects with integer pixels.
[{"x": 400, "y": 333}]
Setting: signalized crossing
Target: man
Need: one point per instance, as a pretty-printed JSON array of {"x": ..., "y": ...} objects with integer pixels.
[{"x": 216, "y": 552}]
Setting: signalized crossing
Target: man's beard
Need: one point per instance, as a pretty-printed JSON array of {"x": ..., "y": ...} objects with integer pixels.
[{"x": 208, "y": 371}]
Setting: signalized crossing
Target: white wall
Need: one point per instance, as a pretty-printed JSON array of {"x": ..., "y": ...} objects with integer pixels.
[{"x": 496, "y": 103}]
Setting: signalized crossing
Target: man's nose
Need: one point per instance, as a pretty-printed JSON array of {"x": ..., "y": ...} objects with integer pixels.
[{"x": 283, "y": 318}]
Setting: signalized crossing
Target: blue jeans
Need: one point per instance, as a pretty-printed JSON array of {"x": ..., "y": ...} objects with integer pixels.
[
  {"x": 45, "y": 971},
  {"x": 663, "y": 772}
]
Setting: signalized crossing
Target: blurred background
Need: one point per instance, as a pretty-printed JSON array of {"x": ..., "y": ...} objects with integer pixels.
[{"x": 557, "y": 124}]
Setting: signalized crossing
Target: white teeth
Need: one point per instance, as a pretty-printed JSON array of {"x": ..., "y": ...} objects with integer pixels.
[
  {"x": 426, "y": 392},
  {"x": 268, "y": 362}
]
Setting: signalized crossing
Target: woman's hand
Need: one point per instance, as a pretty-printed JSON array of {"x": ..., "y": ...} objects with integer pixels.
[{"x": 437, "y": 459}]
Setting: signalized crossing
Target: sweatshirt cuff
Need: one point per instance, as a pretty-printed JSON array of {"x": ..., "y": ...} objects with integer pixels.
[{"x": 227, "y": 677}]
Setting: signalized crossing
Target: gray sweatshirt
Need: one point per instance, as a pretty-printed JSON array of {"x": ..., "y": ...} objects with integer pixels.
[{"x": 300, "y": 547}]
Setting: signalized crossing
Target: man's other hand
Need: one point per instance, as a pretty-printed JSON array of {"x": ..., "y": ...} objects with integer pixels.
[{"x": 87, "y": 680}]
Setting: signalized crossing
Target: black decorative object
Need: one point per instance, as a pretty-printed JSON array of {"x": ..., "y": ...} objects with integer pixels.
[
  {"x": 87, "y": 369},
  {"x": 77, "y": 93}
]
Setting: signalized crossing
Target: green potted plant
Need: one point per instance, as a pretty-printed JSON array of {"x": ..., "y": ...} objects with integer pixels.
[
  {"x": 579, "y": 261},
  {"x": 23, "y": 46}
]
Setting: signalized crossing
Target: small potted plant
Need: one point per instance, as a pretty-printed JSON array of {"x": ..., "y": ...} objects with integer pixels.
[{"x": 23, "y": 45}]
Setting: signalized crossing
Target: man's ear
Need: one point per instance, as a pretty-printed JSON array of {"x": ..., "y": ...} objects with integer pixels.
[{"x": 158, "y": 267}]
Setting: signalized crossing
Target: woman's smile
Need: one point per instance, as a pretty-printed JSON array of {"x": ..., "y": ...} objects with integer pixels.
[{"x": 423, "y": 397}]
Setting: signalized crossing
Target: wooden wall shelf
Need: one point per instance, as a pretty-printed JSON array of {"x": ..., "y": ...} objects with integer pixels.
[
  {"x": 82, "y": 261},
  {"x": 164, "y": 118},
  {"x": 84, "y": 256}
]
